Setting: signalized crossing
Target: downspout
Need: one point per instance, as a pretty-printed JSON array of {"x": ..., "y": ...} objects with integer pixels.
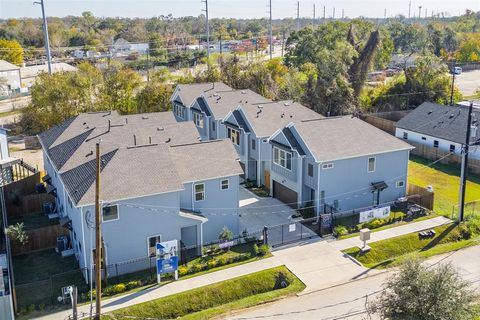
[
  {"x": 318, "y": 191},
  {"x": 259, "y": 163},
  {"x": 83, "y": 241},
  {"x": 300, "y": 180},
  {"x": 9, "y": 255}
]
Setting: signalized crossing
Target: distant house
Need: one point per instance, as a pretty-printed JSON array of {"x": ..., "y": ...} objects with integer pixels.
[
  {"x": 338, "y": 164},
  {"x": 123, "y": 46},
  {"x": 10, "y": 76},
  {"x": 30, "y": 73},
  {"x": 158, "y": 183},
  {"x": 440, "y": 127}
]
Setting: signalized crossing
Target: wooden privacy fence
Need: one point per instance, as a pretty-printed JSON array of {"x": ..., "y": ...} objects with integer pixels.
[
  {"x": 384, "y": 120},
  {"x": 29, "y": 204},
  {"x": 434, "y": 154},
  {"x": 420, "y": 196},
  {"x": 39, "y": 239}
]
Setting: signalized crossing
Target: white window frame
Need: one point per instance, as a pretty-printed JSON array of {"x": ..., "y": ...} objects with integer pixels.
[
  {"x": 233, "y": 135},
  {"x": 222, "y": 184},
  {"x": 179, "y": 110},
  {"x": 400, "y": 184},
  {"x": 374, "y": 164},
  {"x": 155, "y": 248},
  {"x": 327, "y": 166},
  {"x": 282, "y": 158},
  {"x": 118, "y": 213},
  {"x": 436, "y": 144},
  {"x": 198, "y": 119},
  {"x": 195, "y": 191}
]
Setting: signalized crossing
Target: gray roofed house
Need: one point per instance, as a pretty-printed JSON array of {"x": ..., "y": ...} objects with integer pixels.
[
  {"x": 158, "y": 182},
  {"x": 345, "y": 137},
  {"x": 188, "y": 93},
  {"x": 435, "y": 120},
  {"x": 223, "y": 102},
  {"x": 11, "y": 74}
]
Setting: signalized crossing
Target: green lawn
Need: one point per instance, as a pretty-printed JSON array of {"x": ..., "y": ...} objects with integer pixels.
[
  {"x": 445, "y": 180},
  {"x": 215, "y": 299},
  {"x": 390, "y": 251}
]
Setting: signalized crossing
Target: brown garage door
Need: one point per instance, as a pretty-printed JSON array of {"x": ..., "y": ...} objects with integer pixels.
[{"x": 285, "y": 194}]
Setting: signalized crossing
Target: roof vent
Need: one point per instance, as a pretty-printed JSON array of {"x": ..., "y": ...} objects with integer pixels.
[
  {"x": 89, "y": 154},
  {"x": 430, "y": 112},
  {"x": 160, "y": 129},
  {"x": 283, "y": 114},
  {"x": 260, "y": 107},
  {"x": 286, "y": 104},
  {"x": 84, "y": 123},
  {"x": 451, "y": 116},
  {"x": 144, "y": 118},
  {"x": 243, "y": 92},
  {"x": 215, "y": 94},
  {"x": 168, "y": 140}
]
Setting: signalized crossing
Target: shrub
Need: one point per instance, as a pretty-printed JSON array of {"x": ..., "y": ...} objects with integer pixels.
[
  {"x": 225, "y": 234},
  {"x": 182, "y": 271},
  {"x": 465, "y": 231},
  {"x": 474, "y": 225},
  {"x": 197, "y": 267},
  {"x": 133, "y": 284},
  {"x": 263, "y": 250},
  {"x": 255, "y": 250},
  {"x": 222, "y": 261},
  {"x": 31, "y": 308},
  {"x": 212, "y": 263},
  {"x": 340, "y": 230},
  {"x": 374, "y": 224},
  {"x": 307, "y": 211},
  {"x": 41, "y": 306}
]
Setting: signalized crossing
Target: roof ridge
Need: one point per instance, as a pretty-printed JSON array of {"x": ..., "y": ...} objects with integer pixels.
[{"x": 326, "y": 118}]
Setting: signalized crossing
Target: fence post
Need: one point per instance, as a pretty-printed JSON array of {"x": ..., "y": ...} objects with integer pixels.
[
  {"x": 265, "y": 235},
  {"x": 282, "y": 233},
  {"x": 301, "y": 231}
]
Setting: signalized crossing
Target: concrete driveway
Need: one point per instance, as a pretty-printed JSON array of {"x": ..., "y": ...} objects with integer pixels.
[
  {"x": 468, "y": 82},
  {"x": 257, "y": 212}
]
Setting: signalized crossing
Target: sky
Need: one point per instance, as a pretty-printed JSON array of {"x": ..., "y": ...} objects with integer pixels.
[{"x": 231, "y": 8}]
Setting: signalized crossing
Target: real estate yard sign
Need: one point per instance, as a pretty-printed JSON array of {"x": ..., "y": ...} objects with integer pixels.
[
  {"x": 375, "y": 213},
  {"x": 167, "y": 258}
]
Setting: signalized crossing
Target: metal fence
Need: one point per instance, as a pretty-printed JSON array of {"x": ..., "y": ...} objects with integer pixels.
[
  {"x": 471, "y": 209},
  {"x": 292, "y": 232}
]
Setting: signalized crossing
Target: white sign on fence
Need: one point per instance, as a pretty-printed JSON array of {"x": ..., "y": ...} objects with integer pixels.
[
  {"x": 376, "y": 213},
  {"x": 292, "y": 227}
]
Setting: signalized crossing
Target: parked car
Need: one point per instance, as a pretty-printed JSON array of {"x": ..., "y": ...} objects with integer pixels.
[{"x": 457, "y": 70}]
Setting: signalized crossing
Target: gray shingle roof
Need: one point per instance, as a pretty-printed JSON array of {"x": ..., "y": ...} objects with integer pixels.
[
  {"x": 131, "y": 169},
  {"x": 223, "y": 102},
  {"x": 266, "y": 118},
  {"x": 189, "y": 92},
  {"x": 293, "y": 141},
  {"x": 203, "y": 106},
  {"x": 444, "y": 122},
  {"x": 345, "y": 137}
]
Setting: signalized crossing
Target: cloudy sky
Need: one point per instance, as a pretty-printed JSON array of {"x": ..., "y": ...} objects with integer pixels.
[{"x": 231, "y": 8}]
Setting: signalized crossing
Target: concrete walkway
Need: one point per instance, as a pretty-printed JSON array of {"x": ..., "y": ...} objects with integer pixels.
[{"x": 319, "y": 263}]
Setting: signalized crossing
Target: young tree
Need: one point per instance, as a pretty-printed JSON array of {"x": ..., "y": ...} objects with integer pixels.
[
  {"x": 225, "y": 234},
  {"x": 16, "y": 232},
  {"x": 421, "y": 293},
  {"x": 11, "y": 51}
]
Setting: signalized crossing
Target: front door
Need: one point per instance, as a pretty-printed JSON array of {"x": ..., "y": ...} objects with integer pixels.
[{"x": 266, "y": 175}]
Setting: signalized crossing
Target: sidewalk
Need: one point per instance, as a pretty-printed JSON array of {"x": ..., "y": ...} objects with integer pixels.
[{"x": 318, "y": 263}]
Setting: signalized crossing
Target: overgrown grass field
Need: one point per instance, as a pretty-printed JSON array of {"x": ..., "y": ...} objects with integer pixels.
[{"x": 445, "y": 180}]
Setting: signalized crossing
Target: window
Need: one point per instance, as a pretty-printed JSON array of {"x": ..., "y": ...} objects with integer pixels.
[
  {"x": 152, "y": 245},
  {"x": 213, "y": 125},
  {"x": 199, "y": 192},
  {"x": 198, "y": 119},
  {"x": 282, "y": 158},
  {"x": 224, "y": 184},
  {"x": 452, "y": 148},
  {"x": 254, "y": 144},
  {"x": 424, "y": 138},
  {"x": 310, "y": 170},
  {"x": 234, "y": 136},
  {"x": 327, "y": 165},
  {"x": 179, "y": 111},
  {"x": 435, "y": 143},
  {"x": 400, "y": 184},
  {"x": 371, "y": 164},
  {"x": 110, "y": 213},
  {"x": 405, "y": 135}
]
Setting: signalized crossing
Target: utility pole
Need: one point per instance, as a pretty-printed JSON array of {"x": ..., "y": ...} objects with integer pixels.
[
  {"x": 463, "y": 180},
  {"x": 313, "y": 22},
  {"x": 409, "y": 9},
  {"x": 270, "y": 31},
  {"x": 343, "y": 14},
  {"x": 98, "y": 237},
  {"x": 45, "y": 36},
  {"x": 385, "y": 14},
  {"x": 426, "y": 13},
  {"x": 207, "y": 27},
  {"x": 298, "y": 15},
  {"x": 324, "y": 15},
  {"x": 283, "y": 41},
  {"x": 453, "y": 83},
  {"x": 333, "y": 13},
  {"x": 419, "y": 12}
]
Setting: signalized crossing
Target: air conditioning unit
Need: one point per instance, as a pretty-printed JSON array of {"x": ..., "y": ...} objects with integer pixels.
[
  {"x": 62, "y": 243},
  {"x": 48, "y": 208}
]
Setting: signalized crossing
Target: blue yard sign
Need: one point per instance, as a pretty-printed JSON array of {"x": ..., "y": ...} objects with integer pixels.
[{"x": 167, "y": 265}]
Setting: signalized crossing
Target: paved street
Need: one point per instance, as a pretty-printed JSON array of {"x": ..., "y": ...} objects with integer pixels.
[
  {"x": 348, "y": 301},
  {"x": 468, "y": 82},
  {"x": 317, "y": 262},
  {"x": 16, "y": 103}
]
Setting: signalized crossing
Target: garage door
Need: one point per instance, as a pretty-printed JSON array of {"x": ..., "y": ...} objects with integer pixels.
[{"x": 285, "y": 194}]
